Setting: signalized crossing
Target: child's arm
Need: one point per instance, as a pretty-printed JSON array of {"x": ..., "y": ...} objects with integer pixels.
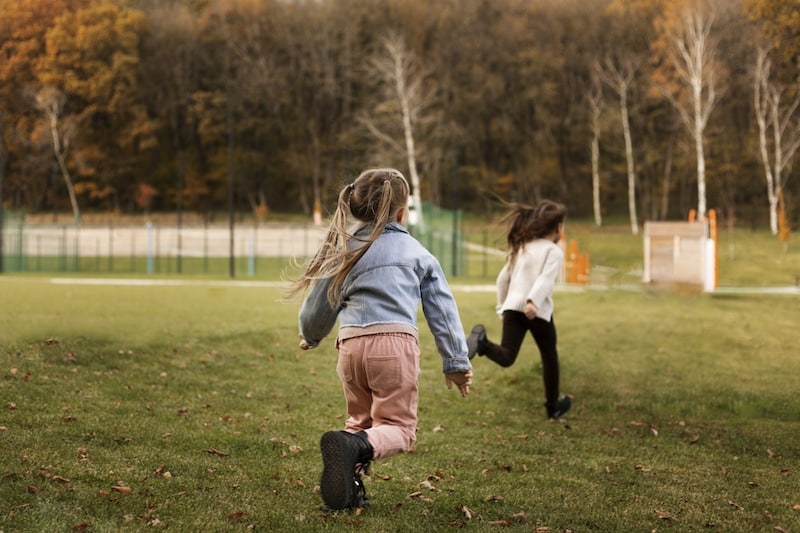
[
  {"x": 546, "y": 281},
  {"x": 317, "y": 317},
  {"x": 441, "y": 313}
]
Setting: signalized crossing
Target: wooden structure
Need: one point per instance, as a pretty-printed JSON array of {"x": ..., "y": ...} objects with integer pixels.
[{"x": 681, "y": 253}]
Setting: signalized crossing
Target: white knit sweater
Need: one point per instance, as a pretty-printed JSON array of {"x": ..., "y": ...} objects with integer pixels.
[{"x": 532, "y": 276}]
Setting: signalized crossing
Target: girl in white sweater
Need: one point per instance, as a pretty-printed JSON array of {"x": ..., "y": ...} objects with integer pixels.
[{"x": 525, "y": 295}]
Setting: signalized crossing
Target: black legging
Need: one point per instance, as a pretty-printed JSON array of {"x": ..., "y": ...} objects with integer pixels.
[{"x": 515, "y": 325}]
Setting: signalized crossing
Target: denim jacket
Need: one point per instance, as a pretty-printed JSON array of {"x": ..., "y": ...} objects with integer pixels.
[{"x": 385, "y": 288}]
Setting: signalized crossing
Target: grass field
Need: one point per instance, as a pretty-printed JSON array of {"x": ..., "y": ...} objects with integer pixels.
[{"x": 189, "y": 408}]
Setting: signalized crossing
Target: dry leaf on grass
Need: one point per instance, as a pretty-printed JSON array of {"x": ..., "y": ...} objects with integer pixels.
[
  {"x": 214, "y": 451},
  {"x": 665, "y": 516},
  {"x": 469, "y": 514},
  {"x": 419, "y": 496}
]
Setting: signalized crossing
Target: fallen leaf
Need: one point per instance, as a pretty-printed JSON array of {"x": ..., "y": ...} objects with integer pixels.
[
  {"x": 121, "y": 489},
  {"x": 734, "y": 504},
  {"x": 427, "y": 485},
  {"x": 438, "y": 428},
  {"x": 494, "y": 498},
  {"x": 796, "y": 507},
  {"x": 469, "y": 513},
  {"x": 80, "y": 527},
  {"x": 60, "y": 479},
  {"x": 419, "y": 496},
  {"x": 33, "y": 489},
  {"x": 664, "y": 516},
  {"x": 501, "y": 523},
  {"x": 214, "y": 451},
  {"x": 236, "y": 516}
]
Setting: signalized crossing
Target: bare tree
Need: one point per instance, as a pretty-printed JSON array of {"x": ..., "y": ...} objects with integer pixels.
[
  {"x": 619, "y": 75},
  {"x": 692, "y": 58},
  {"x": 784, "y": 122},
  {"x": 403, "y": 78},
  {"x": 50, "y": 102},
  {"x": 595, "y": 99}
]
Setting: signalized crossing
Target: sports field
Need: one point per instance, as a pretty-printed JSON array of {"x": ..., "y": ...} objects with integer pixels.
[{"x": 188, "y": 407}]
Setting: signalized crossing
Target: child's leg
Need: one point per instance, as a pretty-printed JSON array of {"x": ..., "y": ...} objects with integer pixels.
[
  {"x": 389, "y": 368},
  {"x": 356, "y": 390},
  {"x": 515, "y": 325},
  {"x": 544, "y": 333}
]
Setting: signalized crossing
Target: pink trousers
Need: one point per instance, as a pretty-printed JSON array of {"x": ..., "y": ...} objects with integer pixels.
[{"x": 380, "y": 375}]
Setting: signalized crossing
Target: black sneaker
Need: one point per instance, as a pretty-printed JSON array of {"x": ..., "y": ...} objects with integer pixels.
[
  {"x": 476, "y": 342},
  {"x": 337, "y": 484},
  {"x": 557, "y": 409},
  {"x": 344, "y": 457}
]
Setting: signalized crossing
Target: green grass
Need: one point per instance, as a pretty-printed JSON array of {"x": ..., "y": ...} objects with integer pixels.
[{"x": 189, "y": 408}]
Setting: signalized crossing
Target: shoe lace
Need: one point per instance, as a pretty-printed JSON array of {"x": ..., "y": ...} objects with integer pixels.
[{"x": 360, "y": 493}]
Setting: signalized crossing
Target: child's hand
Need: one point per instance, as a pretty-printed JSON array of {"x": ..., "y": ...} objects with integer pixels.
[
  {"x": 530, "y": 310},
  {"x": 463, "y": 380}
]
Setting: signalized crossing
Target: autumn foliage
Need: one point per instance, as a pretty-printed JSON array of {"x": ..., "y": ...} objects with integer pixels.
[{"x": 282, "y": 102}]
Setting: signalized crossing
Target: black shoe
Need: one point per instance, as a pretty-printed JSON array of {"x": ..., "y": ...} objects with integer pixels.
[
  {"x": 476, "y": 342},
  {"x": 341, "y": 486},
  {"x": 557, "y": 409}
]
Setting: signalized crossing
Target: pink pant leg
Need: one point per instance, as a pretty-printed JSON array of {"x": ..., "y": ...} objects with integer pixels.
[{"x": 380, "y": 375}]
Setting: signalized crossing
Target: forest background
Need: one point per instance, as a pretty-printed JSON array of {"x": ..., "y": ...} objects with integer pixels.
[{"x": 642, "y": 109}]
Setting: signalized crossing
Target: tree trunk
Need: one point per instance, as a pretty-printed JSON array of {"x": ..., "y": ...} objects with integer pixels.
[
  {"x": 626, "y": 130},
  {"x": 408, "y": 130},
  {"x": 594, "y": 103},
  {"x": 63, "y": 165}
]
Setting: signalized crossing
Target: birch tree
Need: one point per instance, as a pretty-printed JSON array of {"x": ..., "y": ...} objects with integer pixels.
[
  {"x": 595, "y": 99},
  {"x": 403, "y": 78},
  {"x": 691, "y": 56},
  {"x": 619, "y": 75},
  {"x": 783, "y": 121},
  {"x": 51, "y": 103}
]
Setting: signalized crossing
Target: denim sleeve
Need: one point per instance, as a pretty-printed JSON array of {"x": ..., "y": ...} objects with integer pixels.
[
  {"x": 317, "y": 317},
  {"x": 441, "y": 313}
]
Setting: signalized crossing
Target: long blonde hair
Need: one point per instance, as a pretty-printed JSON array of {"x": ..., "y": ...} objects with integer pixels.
[{"x": 375, "y": 197}]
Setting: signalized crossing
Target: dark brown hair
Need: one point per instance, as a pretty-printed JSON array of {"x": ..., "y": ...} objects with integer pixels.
[{"x": 526, "y": 223}]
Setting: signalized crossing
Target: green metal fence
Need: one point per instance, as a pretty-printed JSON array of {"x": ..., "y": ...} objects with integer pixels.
[{"x": 263, "y": 251}]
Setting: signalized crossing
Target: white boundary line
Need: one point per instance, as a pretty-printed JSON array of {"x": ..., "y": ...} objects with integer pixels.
[{"x": 138, "y": 282}]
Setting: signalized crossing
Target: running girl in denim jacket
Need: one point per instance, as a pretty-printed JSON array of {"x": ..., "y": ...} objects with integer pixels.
[
  {"x": 373, "y": 279},
  {"x": 525, "y": 295}
]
